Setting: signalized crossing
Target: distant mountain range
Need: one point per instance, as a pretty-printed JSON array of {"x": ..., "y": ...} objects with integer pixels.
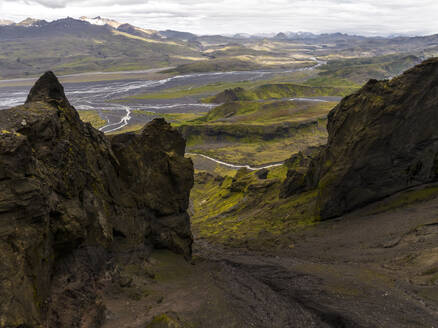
[
  {"x": 101, "y": 21},
  {"x": 71, "y": 45},
  {"x": 5, "y": 22}
]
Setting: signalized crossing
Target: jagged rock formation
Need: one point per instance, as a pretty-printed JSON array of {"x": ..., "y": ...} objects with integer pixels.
[
  {"x": 229, "y": 95},
  {"x": 382, "y": 139},
  {"x": 299, "y": 176},
  {"x": 69, "y": 197}
]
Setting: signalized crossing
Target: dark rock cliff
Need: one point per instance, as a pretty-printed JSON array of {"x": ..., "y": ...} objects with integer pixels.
[
  {"x": 69, "y": 197},
  {"x": 382, "y": 139}
]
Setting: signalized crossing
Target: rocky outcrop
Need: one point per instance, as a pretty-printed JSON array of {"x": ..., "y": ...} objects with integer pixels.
[
  {"x": 70, "y": 197},
  {"x": 300, "y": 171},
  {"x": 382, "y": 139},
  {"x": 230, "y": 95}
]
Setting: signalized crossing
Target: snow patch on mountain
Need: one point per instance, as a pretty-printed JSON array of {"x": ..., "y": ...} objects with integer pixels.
[{"x": 101, "y": 21}]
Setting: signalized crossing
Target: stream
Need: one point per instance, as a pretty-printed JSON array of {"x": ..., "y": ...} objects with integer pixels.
[{"x": 100, "y": 95}]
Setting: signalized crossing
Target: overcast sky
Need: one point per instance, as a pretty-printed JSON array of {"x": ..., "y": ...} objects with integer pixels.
[{"x": 366, "y": 17}]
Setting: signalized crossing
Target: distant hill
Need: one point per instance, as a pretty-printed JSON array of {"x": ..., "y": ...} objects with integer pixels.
[
  {"x": 31, "y": 22},
  {"x": 178, "y": 35},
  {"x": 72, "y": 46},
  {"x": 5, "y": 22}
]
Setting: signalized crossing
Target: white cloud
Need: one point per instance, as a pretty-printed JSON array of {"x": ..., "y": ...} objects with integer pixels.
[{"x": 368, "y": 17}]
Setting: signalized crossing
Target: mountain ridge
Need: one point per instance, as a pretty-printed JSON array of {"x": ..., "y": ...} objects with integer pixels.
[
  {"x": 71, "y": 199},
  {"x": 382, "y": 156},
  {"x": 290, "y": 35}
]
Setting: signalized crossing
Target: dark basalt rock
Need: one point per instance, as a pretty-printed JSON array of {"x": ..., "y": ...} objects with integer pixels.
[
  {"x": 230, "y": 95},
  {"x": 70, "y": 197},
  {"x": 300, "y": 177},
  {"x": 49, "y": 90},
  {"x": 382, "y": 139},
  {"x": 262, "y": 174}
]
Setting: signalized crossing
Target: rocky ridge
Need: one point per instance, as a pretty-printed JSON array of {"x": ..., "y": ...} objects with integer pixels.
[
  {"x": 382, "y": 140},
  {"x": 71, "y": 198}
]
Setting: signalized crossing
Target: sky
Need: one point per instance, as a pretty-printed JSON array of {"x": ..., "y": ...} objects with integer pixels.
[{"x": 363, "y": 17}]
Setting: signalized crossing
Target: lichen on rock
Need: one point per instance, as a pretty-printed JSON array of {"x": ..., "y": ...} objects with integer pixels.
[{"x": 382, "y": 139}]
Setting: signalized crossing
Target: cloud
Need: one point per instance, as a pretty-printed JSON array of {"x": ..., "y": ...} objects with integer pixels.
[
  {"x": 54, "y": 4},
  {"x": 48, "y": 3},
  {"x": 368, "y": 17}
]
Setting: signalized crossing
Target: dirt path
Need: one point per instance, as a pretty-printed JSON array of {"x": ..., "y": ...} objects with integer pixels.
[{"x": 367, "y": 269}]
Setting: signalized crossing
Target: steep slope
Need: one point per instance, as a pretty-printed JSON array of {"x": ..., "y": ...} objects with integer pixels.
[
  {"x": 382, "y": 139},
  {"x": 134, "y": 30},
  {"x": 70, "y": 199}
]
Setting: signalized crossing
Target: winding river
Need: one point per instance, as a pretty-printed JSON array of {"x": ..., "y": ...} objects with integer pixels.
[
  {"x": 235, "y": 166},
  {"x": 101, "y": 95}
]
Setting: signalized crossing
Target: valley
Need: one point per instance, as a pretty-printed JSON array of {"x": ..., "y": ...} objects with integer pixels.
[{"x": 222, "y": 181}]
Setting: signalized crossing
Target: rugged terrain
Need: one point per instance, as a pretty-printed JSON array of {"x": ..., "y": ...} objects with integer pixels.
[
  {"x": 72, "y": 199},
  {"x": 382, "y": 140},
  {"x": 84, "y": 217},
  {"x": 262, "y": 125},
  {"x": 375, "y": 259},
  {"x": 361, "y": 270}
]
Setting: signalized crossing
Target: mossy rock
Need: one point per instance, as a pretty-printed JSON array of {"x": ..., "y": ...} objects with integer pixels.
[
  {"x": 382, "y": 140},
  {"x": 166, "y": 320}
]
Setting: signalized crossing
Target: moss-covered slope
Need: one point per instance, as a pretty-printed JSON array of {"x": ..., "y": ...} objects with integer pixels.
[
  {"x": 283, "y": 90},
  {"x": 382, "y": 139}
]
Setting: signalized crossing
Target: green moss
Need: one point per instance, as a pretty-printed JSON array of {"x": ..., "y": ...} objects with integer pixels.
[
  {"x": 264, "y": 113},
  {"x": 280, "y": 91},
  {"x": 93, "y": 117},
  {"x": 279, "y": 172},
  {"x": 257, "y": 133},
  {"x": 253, "y": 215},
  {"x": 164, "y": 321},
  {"x": 406, "y": 198},
  {"x": 329, "y": 81}
]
